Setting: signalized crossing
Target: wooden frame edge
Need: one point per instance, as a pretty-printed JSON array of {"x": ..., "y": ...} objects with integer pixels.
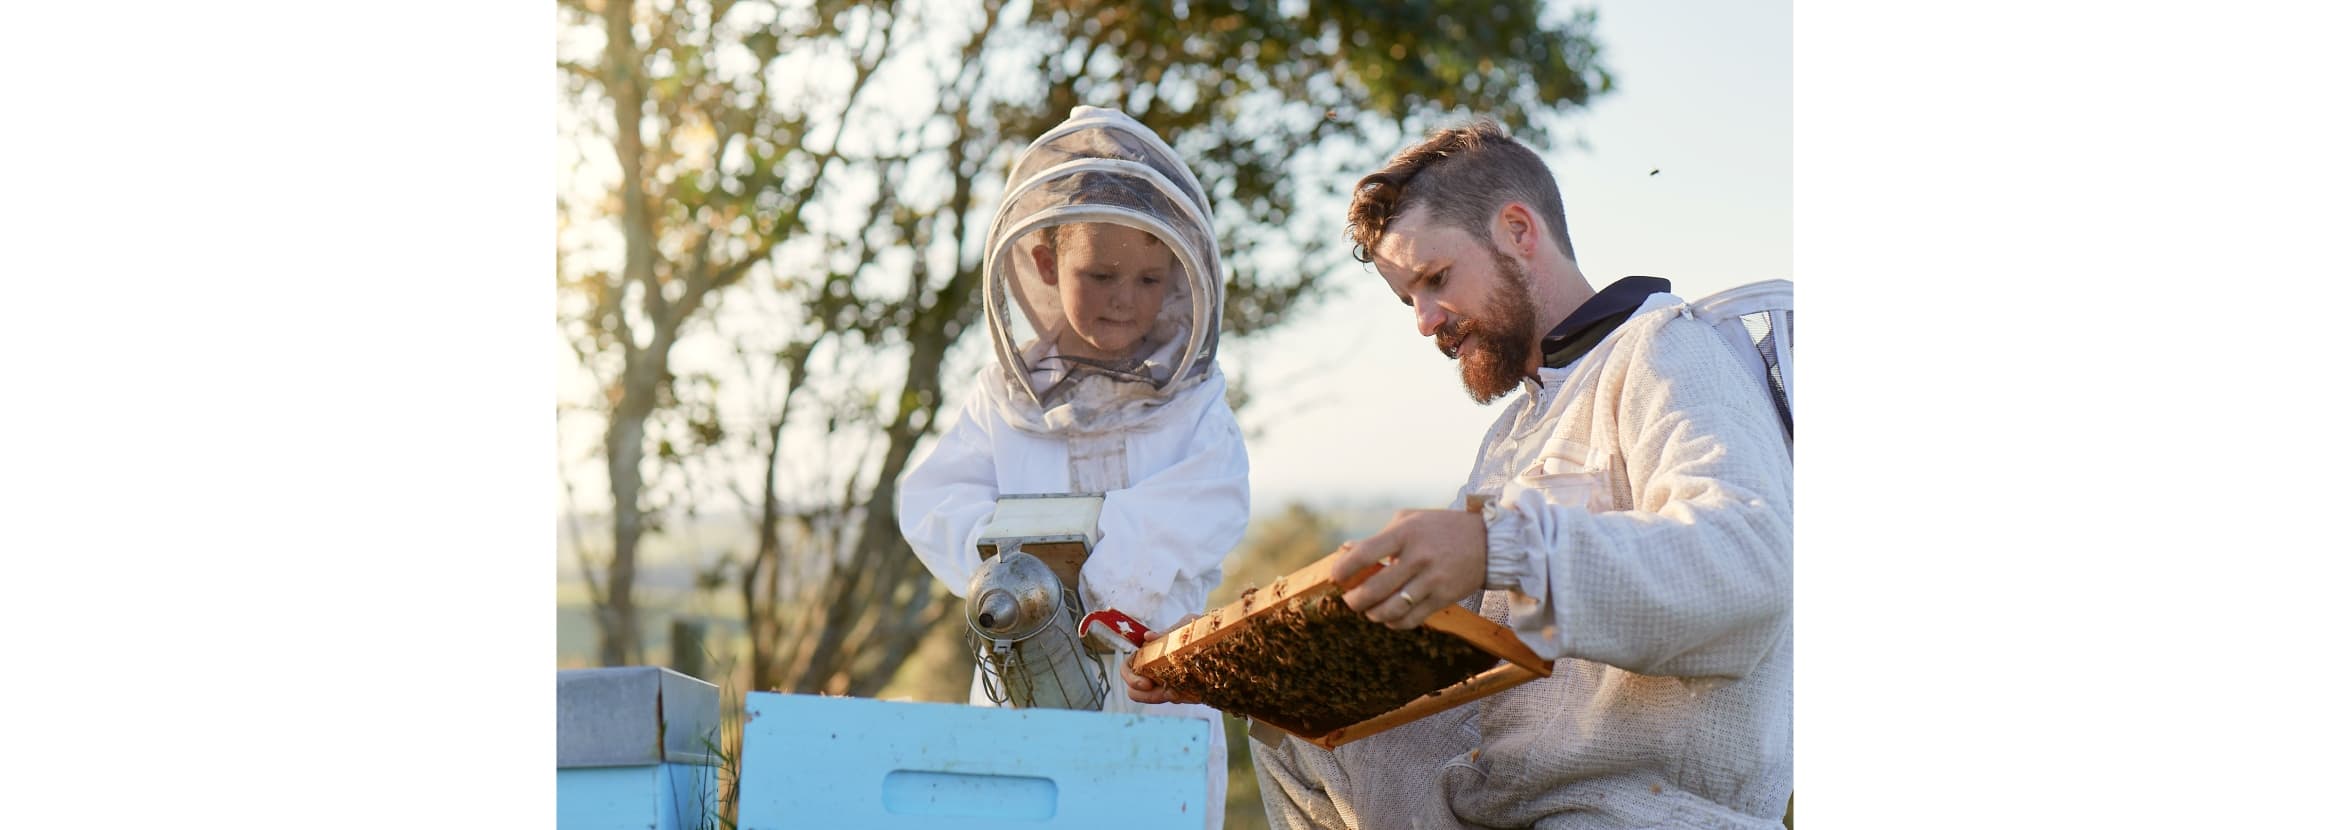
[{"x": 1491, "y": 681}]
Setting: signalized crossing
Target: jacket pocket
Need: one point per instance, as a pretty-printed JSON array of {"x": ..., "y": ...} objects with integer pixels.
[{"x": 1564, "y": 475}]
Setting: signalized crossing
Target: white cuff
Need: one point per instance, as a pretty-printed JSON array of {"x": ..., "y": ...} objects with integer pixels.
[{"x": 1508, "y": 549}]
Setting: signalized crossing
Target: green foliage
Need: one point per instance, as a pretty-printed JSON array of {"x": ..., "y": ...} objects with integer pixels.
[
  {"x": 1275, "y": 545},
  {"x": 1243, "y": 89}
]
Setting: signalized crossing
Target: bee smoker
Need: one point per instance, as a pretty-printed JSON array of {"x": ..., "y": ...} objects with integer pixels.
[
  {"x": 1023, "y": 609},
  {"x": 1024, "y": 629}
]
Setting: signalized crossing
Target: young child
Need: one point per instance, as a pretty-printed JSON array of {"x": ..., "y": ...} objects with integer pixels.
[{"x": 1103, "y": 289}]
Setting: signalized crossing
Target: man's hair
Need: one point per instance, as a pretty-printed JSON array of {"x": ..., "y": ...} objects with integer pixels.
[{"x": 1463, "y": 176}]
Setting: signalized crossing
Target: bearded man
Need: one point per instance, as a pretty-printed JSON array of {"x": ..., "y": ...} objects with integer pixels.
[{"x": 1638, "y": 529}]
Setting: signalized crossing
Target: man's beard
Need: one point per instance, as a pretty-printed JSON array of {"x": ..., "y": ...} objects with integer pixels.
[{"x": 1496, "y": 362}]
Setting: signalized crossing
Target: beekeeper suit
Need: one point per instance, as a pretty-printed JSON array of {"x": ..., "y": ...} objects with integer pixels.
[
  {"x": 1092, "y": 390},
  {"x": 1639, "y": 532}
]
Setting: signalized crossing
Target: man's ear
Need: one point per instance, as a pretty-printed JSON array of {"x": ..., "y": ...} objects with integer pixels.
[
  {"x": 1516, "y": 231},
  {"x": 1043, "y": 254}
]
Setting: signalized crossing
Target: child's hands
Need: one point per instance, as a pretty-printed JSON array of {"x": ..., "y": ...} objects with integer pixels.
[{"x": 1142, "y": 689}]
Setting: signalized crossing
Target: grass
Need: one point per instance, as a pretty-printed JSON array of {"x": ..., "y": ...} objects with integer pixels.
[{"x": 720, "y": 784}]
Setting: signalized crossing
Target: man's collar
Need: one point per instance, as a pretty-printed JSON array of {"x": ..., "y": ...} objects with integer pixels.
[{"x": 1596, "y": 317}]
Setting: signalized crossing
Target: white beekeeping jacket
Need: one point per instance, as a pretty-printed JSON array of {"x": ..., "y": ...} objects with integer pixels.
[{"x": 1147, "y": 427}]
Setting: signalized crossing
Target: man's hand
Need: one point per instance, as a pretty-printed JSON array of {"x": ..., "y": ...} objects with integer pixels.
[
  {"x": 1438, "y": 559},
  {"x": 1141, "y": 689}
]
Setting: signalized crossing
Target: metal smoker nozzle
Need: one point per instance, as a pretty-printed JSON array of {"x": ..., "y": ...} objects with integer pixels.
[
  {"x": 997, "y": 608},
  {"x": 1013, "y": 596}
]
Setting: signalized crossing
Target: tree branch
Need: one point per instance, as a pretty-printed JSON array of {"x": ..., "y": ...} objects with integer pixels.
[{"x": 587, "y": 570}]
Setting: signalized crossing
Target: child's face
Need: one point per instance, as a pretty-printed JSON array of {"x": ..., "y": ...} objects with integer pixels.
[{"x": 1112, "y": 280}]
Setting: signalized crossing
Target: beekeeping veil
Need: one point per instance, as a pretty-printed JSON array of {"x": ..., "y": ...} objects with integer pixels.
[{"x": 1100, "y": 166}]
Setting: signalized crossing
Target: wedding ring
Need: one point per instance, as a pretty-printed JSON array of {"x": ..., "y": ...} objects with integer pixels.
[{"x": 1407, "y": 598}]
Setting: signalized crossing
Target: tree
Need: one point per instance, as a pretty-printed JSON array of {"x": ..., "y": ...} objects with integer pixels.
[
  {"x": 830, "y": 235},
  {"x": 723, "y": 182}
]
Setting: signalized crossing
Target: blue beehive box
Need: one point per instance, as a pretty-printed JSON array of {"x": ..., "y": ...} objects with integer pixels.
[
  {"x": 844, "y": 762},
  {"x": 632, "y": 750}
]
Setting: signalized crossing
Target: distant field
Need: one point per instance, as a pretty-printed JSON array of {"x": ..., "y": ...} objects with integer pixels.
[
  {"x": 575, "y": 625},
  {"x": 666, "y": 566}
]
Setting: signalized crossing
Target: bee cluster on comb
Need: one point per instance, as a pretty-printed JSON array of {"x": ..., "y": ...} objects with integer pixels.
[{"x": 1295, "y": 657}]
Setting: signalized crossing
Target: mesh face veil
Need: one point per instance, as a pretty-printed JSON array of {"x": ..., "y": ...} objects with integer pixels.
[{"x": 1102, "y": 275}]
